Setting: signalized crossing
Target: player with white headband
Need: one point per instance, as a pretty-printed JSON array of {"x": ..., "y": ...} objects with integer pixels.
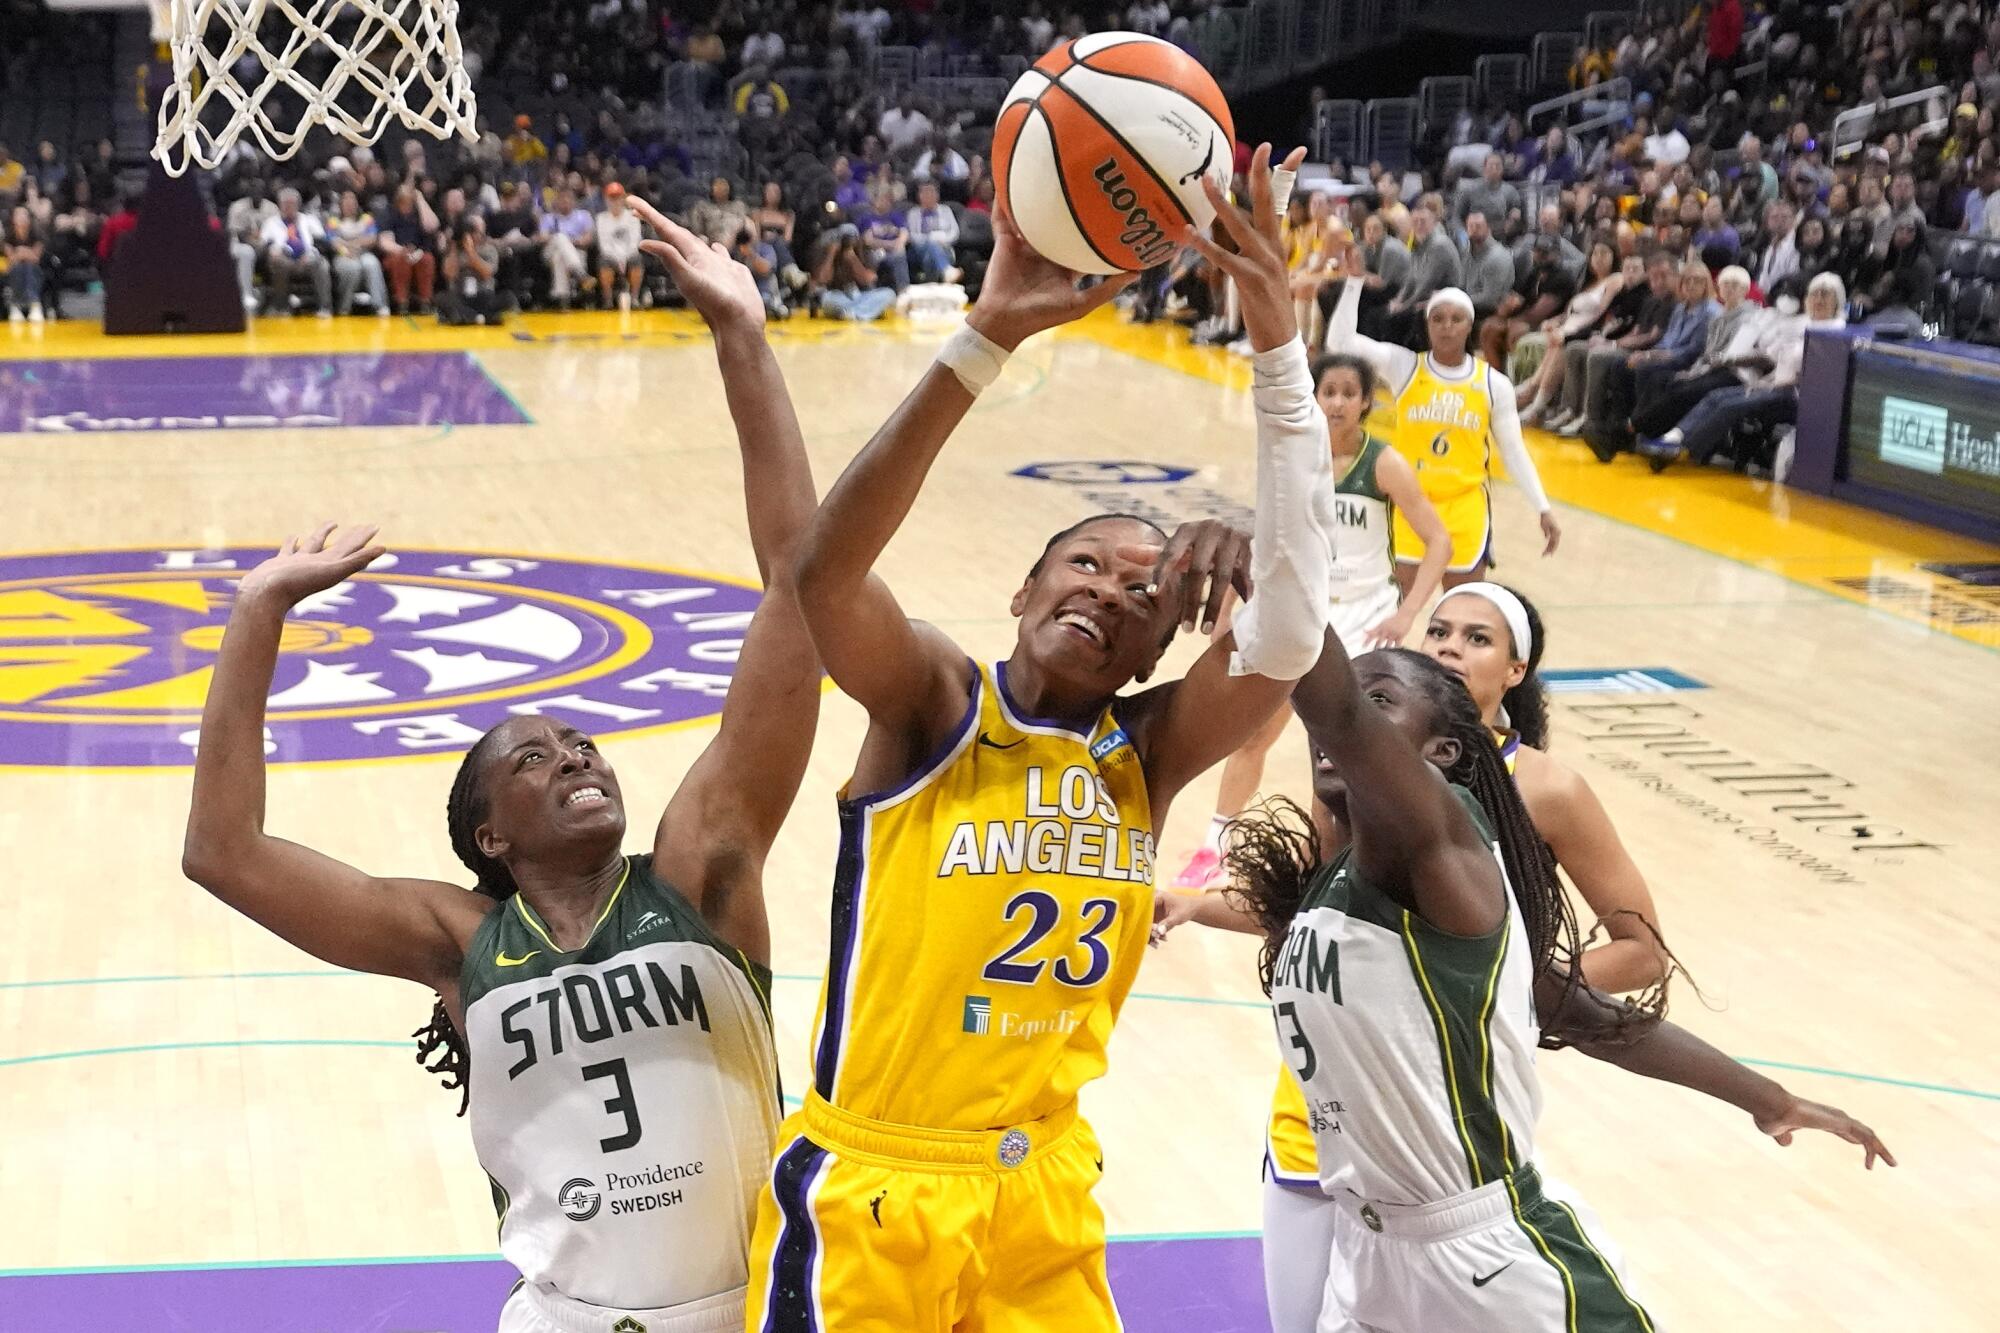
[{"x": 1451, "y": 410}]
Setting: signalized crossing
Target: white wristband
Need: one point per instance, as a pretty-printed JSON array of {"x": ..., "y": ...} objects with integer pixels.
[{"x": 974, "y": 358}]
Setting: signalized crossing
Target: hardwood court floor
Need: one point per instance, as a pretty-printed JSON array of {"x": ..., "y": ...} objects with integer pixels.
[{"x": 178, "y": 1088}]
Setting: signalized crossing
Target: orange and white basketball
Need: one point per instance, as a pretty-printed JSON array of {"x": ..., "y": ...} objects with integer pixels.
[{"x": 1101, "y": 148}]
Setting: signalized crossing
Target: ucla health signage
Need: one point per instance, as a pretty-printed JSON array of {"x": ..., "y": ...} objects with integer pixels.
[{"x": 1925, "y": 425}]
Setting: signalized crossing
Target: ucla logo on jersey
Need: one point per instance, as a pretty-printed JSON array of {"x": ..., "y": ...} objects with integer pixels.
[
  {"x": 106, "y": 656},
  {"x": 1110, "y": 743}
]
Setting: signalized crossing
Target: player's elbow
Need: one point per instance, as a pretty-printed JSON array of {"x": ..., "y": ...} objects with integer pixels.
[{"x": 1283, "y": 652}]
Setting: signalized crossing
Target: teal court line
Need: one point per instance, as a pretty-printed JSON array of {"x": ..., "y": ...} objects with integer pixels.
[
  {"x": 238, "y": 1265},
  {"x": 1223, "y": 1002}
]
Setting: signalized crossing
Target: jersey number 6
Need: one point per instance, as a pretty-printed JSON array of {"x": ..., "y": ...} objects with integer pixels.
[{"x": 1045, "y": 913}]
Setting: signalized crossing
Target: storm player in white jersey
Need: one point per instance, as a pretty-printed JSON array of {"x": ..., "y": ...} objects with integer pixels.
[
  {"x": 607, "y": 1014},
  {"x": 1418, "y": 947}
]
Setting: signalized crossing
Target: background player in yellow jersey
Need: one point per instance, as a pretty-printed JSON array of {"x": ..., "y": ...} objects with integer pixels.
[
  {"x": 994, "y": 890},
  {"x": 1452, "y": 409}
]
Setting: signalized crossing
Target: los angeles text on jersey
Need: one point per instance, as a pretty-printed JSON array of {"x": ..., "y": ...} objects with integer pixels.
[
  {"x": 585, "y": 1007},
  {"x": 1068, "y": 827}
]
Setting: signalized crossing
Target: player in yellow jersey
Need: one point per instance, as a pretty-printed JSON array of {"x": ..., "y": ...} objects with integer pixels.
[
  {"x": 1452, "y": 410},
  {"x": 994, "y": 888}
]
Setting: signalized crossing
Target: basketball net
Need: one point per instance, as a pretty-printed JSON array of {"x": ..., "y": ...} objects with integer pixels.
[{"x": 274, "y": 69}]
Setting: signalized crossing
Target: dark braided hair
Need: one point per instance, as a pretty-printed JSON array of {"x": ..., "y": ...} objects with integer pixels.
[
  {"x": 1274, "y": 852},
  {"x": 440, "y": 1048},
  {"x": 1527, "y": 701}
]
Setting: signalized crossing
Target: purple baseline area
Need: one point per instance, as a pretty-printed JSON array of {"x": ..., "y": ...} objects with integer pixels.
[
  {"x": 1163, "y": 1286},
  {"x": 135, "y": 394}
]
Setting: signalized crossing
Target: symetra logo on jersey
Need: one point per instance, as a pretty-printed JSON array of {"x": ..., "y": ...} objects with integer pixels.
[{"x": 106, "y": 656}]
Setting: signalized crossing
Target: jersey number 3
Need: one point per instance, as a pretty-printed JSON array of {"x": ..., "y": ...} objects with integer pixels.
[
  {"x": 620, "y": 1102},
  {"x": 1045, "y": 913}
]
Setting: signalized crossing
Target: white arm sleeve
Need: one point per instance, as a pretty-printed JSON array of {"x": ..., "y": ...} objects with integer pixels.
[
  {"x": 1282, "y": 627},
  {"x": 1394, "y": 364},
  {"x": 1507, "y": 434}
]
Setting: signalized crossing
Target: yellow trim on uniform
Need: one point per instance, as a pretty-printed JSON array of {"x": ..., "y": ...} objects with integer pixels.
[
  {"x": 1542, "y": 1244},
  {"x": 1444, "y": 1044},
  {"x": 1486, "y": 1046},
  {"x": 528, "y": 915},
  {"x": 1609, "y": 1271}
]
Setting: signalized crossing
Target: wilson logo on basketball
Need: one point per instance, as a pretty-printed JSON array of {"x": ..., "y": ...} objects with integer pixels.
[{"x": 1148, "y": 242}]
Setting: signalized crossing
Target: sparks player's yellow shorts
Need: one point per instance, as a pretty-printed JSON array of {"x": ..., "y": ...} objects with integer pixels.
[
  {"x": 1290, "y": 1155},
  {"x": 1469, "y": 520},
  {"x": 876, "y": 1228}
]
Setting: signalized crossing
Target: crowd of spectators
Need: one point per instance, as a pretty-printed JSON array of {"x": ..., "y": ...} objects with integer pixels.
[
  {"x": 1688, "y": 244},
  {"x": 1610, "y": 273}
]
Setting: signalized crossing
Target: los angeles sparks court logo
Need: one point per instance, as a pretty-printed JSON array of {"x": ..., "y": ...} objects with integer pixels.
[{"x": 106, "y": 656}]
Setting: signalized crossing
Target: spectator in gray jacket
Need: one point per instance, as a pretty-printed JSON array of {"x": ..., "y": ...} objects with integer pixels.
[
  {"x": 1434, "y": 263},
  {"x": 1489, "y": 269},
  {"x": 1490, "y": 194}
]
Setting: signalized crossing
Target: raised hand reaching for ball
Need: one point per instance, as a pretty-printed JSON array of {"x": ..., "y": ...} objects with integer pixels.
[{"x": 1263, "y": 281}]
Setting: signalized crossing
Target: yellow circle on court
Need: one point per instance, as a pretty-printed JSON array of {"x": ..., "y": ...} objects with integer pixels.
[{"x": 298, "y": 636}]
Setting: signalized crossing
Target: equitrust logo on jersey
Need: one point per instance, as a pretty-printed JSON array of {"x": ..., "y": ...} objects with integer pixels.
[
  {"x": 981, "y": 1020},
  {"x": 106, "y": 656}
]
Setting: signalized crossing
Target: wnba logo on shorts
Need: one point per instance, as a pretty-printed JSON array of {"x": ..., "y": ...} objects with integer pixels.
[
  {"x": 579, "y": 1199},
  {"x": 978, "y": 1015},
  {"x": 628, "y": 1325}
]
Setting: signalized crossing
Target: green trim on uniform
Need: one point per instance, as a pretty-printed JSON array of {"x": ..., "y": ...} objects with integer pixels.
[
  {"x": 1359, "y": 479},
  {"x": 1594, "y": 1300},
  {"x": 1460, "y": 992},
  {"x": 1601, "y": 1297},
  {"x": 502, "y": 1201},
  {"x": 641, "y": 904}
]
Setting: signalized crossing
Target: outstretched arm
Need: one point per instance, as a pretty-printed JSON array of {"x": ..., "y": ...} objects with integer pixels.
[
  {"x": 1407, "y": 826},
  {"x": 1593, "y": 1022},
  {"x": 412, "y": 928},
  {"x": 1394, "y": 364},
  {"x": 1520, "y": 467},
  {"x": 911, "y": 678},
  {"x": 1398, "y": 481},
  {"x": 1243, "y": 677},
  {"x": 713, "y": 838}
]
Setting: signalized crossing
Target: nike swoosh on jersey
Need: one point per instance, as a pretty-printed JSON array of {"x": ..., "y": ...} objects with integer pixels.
[
  {"x": 985, "y": 739},
  {"x": 1478, "y": 1281},
  {"x": 502, "y": 960}
]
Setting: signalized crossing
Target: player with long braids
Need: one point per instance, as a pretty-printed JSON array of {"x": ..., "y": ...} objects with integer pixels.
[
  {"x": 1417, "y": 948},
  {"x": 607, "y": 1015}
]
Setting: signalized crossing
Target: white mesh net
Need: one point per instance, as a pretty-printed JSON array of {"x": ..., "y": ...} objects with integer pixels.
[{"x": 273, "y": 69}]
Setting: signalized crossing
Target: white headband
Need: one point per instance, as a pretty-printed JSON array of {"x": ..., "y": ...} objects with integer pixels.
[
  {"x": 1511, "y": 610},
  {"x": 1449, "y": 296}
]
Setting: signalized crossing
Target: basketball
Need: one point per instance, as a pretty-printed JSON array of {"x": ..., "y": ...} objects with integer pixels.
[{"x": 1101, "y": 147}]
